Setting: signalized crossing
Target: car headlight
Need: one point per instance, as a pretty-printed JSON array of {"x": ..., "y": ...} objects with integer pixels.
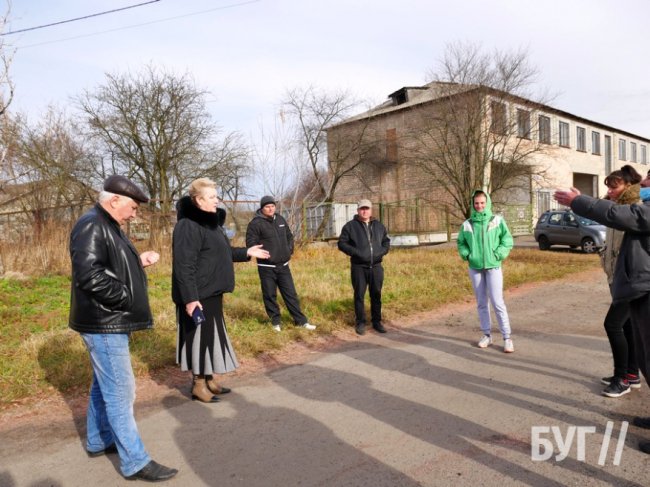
[{"x": 602, "y": 236}]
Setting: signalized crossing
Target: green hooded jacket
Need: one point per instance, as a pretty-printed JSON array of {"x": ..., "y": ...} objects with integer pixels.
[{"x": 484, "y": 239}]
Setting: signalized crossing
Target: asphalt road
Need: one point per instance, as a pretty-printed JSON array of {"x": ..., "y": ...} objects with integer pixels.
[{"x": 421, "y": 405}]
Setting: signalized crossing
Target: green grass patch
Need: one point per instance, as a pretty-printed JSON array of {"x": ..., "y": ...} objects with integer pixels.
[{"x": 37, "y": 350}]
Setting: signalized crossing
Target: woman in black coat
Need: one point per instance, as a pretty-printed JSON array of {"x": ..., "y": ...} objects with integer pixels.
[{"x": 202, "y": 270}]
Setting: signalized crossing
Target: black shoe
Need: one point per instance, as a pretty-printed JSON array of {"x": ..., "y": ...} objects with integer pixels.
[
  {"x": 360, "y": 328},
  {"x": 644, "y": 446},
  {"x": 153, "y": 472},
  {"x": 379, "y": 328},
  {"x": 633, "y": 379},
  {"x": 617, "y": 388},
  {"x": 641, "y": 422},
  {"x": 106, "y": 451}
]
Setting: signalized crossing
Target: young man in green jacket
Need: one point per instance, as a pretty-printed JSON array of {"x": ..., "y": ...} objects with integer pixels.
[{"x": 484, "y": 241}]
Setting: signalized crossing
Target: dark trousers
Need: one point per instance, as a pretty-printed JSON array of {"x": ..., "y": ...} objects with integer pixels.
[
  {"x": 364, "y": 277},
  {"x": 618, "y": 327},
  {"x": 272, "y": 279},
  {"x": 639, "y": 312}
]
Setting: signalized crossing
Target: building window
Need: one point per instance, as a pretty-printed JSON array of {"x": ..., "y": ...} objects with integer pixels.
[
  {"x": 564, "y": 134},
  {"x": 498, "y": 118},
  {"x": 523, "y": 123},
  {"x": 544, "y": 129},
  {"x": 644, "y": 155},
  {"x": 621, "y": 149},
  {"x": 595, "y": 143},
  {"x": 632, "y": 151},
  {"x": 391, "y": 145},
  {"x": 581, "y": 139}
]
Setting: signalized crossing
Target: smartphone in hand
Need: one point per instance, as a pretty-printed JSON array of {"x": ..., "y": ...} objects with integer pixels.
[{"x": 198, "y": 316}]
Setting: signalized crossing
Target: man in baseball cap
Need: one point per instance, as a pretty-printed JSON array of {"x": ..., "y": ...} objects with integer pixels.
[{"x": 366, "y": 241}]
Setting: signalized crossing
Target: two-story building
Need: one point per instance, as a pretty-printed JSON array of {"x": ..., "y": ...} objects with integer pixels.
[{"x": 417, "y": 123}]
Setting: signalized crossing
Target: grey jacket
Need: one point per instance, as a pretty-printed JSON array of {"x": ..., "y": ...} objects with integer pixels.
[{"x": 632, "y": 271}]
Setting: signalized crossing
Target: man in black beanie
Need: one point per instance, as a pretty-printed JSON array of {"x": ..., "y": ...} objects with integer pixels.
[{"x": 272, "y": 232}]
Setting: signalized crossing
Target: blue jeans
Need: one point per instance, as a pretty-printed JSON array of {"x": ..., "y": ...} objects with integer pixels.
[
  {"x": 112, "y": 394},
  {"x": 488, "y": 285}
]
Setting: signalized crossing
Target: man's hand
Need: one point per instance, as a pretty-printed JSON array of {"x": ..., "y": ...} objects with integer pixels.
[
  {"x": 566, "y": 197},
  {"x": 149, "y": 258},
  {"x": 258, "y": 251}
]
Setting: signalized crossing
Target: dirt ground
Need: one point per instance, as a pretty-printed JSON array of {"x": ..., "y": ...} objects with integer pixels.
[
  {"x": 418, "y": 406},
  {"x": 53, "y": 415}
]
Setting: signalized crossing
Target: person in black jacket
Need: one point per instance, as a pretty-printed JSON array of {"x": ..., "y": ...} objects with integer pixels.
[
  {"x": 365, "y": 240},
  {"x": 631, "y": 281},
  {"x": 202, "y": 271},
  {"x": 109, "y": 301},
  {"x": 271, "y": 230}
]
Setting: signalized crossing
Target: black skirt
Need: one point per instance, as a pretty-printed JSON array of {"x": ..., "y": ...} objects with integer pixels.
[{"x": 205, "y": 349}]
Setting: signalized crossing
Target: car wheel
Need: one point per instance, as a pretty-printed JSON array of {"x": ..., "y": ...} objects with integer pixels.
[
  {"x": 543, "y": 243},
  {"x": 588, "y": 245}
]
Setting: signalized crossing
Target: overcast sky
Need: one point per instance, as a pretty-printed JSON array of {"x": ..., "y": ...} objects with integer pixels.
[{"x": 593, "y": 53}]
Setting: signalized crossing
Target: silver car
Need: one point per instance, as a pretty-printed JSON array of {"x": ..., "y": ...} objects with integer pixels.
[{"x": 563, "y": 227}]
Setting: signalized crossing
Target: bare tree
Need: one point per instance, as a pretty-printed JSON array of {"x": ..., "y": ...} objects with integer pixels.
[
  {"x": 312, "y": 111},
  {"x": 49, "y": 168},
  {"x": 6, "y": 97},
  {"x": 482, "y": 130},
  {"x": 279, "y": 166},
  {"x": 6, "y": 57},
  {"x": 154, "y": 126}
]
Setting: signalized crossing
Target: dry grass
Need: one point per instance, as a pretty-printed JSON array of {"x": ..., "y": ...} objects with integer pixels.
[{"x": 39, "y": 351}]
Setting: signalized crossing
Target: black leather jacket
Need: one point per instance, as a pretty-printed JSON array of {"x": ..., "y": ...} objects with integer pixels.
[
  {"x": 109, "y": 285},
  {"x": 366, "y": 244}
]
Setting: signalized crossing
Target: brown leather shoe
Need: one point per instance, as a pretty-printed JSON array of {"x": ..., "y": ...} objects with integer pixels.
[
  {"x": 200, "y": 390},
  {"x": 153, "y": 472},
  {"x": 214, "y": 387}
]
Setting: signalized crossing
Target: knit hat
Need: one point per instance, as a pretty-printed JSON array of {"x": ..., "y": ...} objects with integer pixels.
[{"x": 267, "y": 200}]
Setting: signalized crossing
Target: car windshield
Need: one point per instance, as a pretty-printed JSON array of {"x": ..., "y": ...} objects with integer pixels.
[{"x": 586, "y": 221}]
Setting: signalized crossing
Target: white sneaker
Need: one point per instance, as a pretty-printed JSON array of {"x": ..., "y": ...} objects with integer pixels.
[
  {"x": 276, "y": 328},
  {"x": 307, "y": 326},
  {"x": 485, "y": 341},
  {"x": 508, "y": 346}
]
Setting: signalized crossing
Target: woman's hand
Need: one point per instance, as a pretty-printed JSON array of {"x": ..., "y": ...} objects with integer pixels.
[
  {"x": 258, "y": 251},
  {"x": 566, "y": 197},
  {"x": 190, "y": 307}
]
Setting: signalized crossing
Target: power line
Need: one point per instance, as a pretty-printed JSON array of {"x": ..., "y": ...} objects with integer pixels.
[
  {"x": 223, "y": 7},
  {"x": 76, "y": 18}
]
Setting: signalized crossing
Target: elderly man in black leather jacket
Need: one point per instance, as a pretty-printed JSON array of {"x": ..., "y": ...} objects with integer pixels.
[
  {"x": 108, "y": 302},
  {"x": 631, "y": 283}
]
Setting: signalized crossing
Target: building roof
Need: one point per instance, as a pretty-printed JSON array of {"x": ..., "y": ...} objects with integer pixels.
[{"x": 411, "y": 96}]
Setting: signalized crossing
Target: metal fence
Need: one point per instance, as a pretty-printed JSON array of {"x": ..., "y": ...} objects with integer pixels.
[{"x": 400, "y": 218}]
